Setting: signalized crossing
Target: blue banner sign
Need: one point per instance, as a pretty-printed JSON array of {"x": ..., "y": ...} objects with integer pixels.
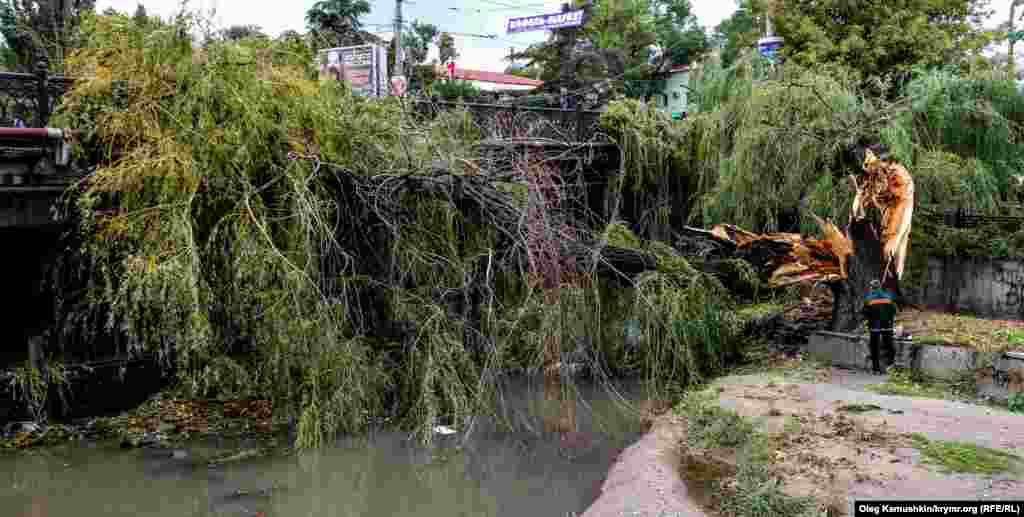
[{"x": 545, "y": 22}]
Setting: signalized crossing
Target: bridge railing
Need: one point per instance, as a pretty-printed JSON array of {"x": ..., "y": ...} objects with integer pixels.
[
  {"x": 501, "y": 122},
  {"x": 28, "y": 99}
]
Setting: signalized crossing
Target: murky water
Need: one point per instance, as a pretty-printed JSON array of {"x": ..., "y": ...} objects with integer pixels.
[{"x": 482, "y": 473}]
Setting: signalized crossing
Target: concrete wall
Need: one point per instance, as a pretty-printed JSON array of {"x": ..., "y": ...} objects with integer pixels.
[
  {"x": 987, "y": 287},
  {"x": 997, "y": 381}
]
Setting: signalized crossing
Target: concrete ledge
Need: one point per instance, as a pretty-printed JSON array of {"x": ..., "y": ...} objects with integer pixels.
[{"x": 1004, "y": 377}]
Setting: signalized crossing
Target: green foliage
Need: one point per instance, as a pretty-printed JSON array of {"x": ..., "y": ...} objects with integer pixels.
[
  {"x": 1016, "y": 402},
  {"x": 457, "y": 89},
  {"x": 30, "y": 28},
  {"x": 238, "y": 32},
  {"x": 201, "y": 177},
  {"x": 416, "y": 43},
  {"x": 871, "y": 41},
  {"x": 620, "y": 235},
  {"x": 686, "y": 319},
  {"x": 446, "y": 48},
  {"x": 650, "y": 141},
  {"x": 753, "y": 490},
  {"x": 739, "y": 32},
  {"x": 646, "y": 35},
  {"x": 200, "y": 232},
  {"x": 336, "y": 23},
  {"x": 966, "y": 457},
  {"x": 977, "y": 117}
]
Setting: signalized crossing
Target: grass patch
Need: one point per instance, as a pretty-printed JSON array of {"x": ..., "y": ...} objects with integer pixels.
[
  {"x": 908, "y": 383},
  {"x": 859, "y": 408},
  {"x": 966, "y": 457},
  {"x": 985, "y": 335},
  {"x": 745, "y": 487}
]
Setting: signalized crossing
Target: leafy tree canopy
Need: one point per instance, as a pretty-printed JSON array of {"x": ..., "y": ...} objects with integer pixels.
[
  {"x": 335, "y": 23},
  {"x": 416, "y": 43},
  {"x": 238, "y": 32},
  {"x": 645, "y": 35},
  {"x": 874, "y": 38},
  {"x": 446, "y": 48},
  {"x": 739, "y": 31}
]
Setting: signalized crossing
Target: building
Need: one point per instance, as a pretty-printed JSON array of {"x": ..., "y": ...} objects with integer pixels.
[
  {"x": 495, "y": 81},
  {"x": 673, "y": 98}
]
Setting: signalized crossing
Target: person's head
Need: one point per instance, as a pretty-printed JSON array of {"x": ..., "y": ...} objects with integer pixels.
[
  {"x": 875, "y": 284},
  {"x": 865, "y": 155}
]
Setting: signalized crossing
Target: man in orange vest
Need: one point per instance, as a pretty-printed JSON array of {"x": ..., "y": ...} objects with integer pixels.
[{"x": 880, "y": 311}]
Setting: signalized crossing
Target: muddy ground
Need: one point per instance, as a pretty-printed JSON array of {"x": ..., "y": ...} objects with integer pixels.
[{"x": 836, "y": 441}]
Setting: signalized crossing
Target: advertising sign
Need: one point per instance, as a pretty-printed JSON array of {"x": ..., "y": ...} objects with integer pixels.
[
  {"x": 769, "y": 47},
  {"x": 545, "y": 22},
  {"x": 363, "y": 67}
]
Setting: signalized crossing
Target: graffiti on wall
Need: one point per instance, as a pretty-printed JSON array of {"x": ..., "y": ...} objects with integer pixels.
[{"x": 1012, "y": 280}]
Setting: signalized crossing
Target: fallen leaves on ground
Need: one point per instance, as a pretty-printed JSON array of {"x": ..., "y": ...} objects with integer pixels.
[{"x": 983, "y": 334}]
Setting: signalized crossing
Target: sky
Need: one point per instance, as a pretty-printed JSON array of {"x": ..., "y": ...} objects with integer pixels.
[{"x": 471, "y": 18}]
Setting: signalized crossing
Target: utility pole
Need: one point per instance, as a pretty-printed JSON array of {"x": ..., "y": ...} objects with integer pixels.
[
  {"x": 399, "y": 65},
  {"x": 1013, "y": 37}
]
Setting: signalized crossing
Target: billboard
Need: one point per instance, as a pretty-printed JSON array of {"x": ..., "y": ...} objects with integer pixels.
[
  {"x": 363, "y": 67},
  {"x": 545, "y": 22}
]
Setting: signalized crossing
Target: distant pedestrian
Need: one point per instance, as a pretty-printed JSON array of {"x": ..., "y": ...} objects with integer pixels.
[
  {"x": 880, "y": 311},
  {"x": 18, "y": 122}
]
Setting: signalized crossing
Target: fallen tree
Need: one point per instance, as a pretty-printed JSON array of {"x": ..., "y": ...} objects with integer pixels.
[
  {"x": 271, "y": 236},
  {"x": 845, "y": 260}
]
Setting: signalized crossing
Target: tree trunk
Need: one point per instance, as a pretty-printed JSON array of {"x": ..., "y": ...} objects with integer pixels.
[{"x": 863, "y": 266}]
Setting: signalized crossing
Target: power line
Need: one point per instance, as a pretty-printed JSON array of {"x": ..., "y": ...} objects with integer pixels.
[{"x": 511, "y": 6}]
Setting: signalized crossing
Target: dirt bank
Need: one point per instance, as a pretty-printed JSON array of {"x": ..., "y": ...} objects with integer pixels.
[
  {"x": 645, "y": 481},
  {"x": 832, "y": 440}
]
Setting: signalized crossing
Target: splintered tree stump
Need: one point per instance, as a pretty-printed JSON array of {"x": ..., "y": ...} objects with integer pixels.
[{"x": 864, "y": 265}]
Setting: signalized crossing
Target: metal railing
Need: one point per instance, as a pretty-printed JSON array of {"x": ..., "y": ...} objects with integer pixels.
[
  {"x": 28, "y": 99},
  {"x": 500, "y": 122},
  {"x": 966, "y": 218}
]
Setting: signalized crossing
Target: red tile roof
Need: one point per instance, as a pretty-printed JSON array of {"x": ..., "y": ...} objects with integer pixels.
[{"x": 494, "y": 77}]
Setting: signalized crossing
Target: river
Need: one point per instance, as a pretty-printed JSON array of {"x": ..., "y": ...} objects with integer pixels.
[{"x": 482, "y": 472}]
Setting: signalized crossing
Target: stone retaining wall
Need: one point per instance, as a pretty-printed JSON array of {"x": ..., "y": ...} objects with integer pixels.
[
  {"x": 986, "y": 287},
  {"x": 997, "y": 380}
]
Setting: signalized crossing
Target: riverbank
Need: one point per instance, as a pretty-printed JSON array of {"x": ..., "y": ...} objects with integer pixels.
[{"x": 807, "y": 443}]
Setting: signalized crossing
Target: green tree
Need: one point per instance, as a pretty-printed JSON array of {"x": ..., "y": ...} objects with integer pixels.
[
  {"x": 140, "y": 14},
  {"x": 739, "y": 31},
  {"x": 881, "y": 39},
  {"x": 336, "y": 22},
  {"x": 239, "y": 32},
  {"x": 416, "y": 43},
  {"x": 446, "y": 48},
  {"x": 680, "y": 37},
  {"x": 626, "y": 41}
]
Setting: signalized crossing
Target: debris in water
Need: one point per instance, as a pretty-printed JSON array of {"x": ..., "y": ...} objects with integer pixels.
[{"x": 444, "y": 430}]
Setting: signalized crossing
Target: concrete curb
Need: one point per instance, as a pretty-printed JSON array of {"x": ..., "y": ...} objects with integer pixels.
[{"x": 999, "y": 380}]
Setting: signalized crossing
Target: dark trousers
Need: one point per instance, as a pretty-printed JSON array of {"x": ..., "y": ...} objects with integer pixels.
[{"x": 882, "y": 339}]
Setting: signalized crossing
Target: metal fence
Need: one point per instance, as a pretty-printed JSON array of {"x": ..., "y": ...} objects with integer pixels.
[
  {"x": 500, "y": 122},
  {"x": 967, "y": 218},
  {"x": 29, "y": 99}
]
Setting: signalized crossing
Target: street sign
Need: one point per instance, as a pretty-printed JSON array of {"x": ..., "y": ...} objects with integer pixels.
[
  {"x": 545, "y": 22},
  {"x": 1015, "y": 35},
  {"x": 769, "y": 47}
]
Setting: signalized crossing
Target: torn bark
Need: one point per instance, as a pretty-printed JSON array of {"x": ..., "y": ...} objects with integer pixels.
[{"x": 844, "y": 260}]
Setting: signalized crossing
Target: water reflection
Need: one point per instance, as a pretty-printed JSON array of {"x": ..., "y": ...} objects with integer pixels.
[{"x": 487, "y": 473}]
